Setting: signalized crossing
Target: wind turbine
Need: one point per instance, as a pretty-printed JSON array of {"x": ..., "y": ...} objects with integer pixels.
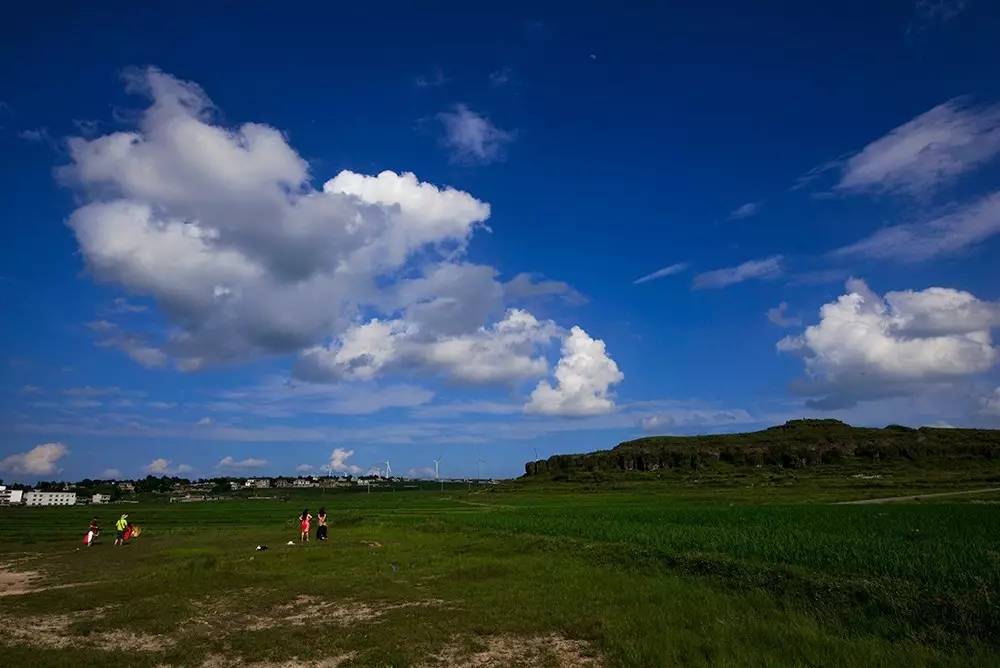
[
  {"x": 388, "y": 469},
  {"x": 437, "y": 472}
]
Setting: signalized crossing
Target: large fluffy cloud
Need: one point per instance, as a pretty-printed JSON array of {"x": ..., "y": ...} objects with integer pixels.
[
  {"x": 584, "y": 376},
  {"x": 867, "y": 346},
  {"x": 222, "y": 228},
  {"x": 40, "y": 460}
]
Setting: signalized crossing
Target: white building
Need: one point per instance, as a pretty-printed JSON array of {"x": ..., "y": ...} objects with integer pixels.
[
  {"x": 100, "y": 498},
  {"x": 10, "y": 497},
  {"x": 49, "y": 498}
]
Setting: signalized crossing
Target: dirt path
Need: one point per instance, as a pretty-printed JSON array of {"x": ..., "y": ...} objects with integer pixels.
[{"x": 916, "y": 497}]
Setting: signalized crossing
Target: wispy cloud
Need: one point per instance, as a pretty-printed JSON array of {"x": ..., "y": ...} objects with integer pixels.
[
  {"x": 473, "y": 138},
  {"x": 530, "y": 286},
  {"x": 779, "y": 316},
  {"x": 947, "y": 233},
  {"x": 501, "y": 77},
  {"x": 133, "y": 345},
  {"x": 769, "y": 267},
  {"x": 432, "y": 79},
  {"x": 930, "y": 13},
  {"x": 121, "y": 305},
  {"x": 35, "y": 135},
  {"x": 745, "y": 211},
  {"x": 927, "y": 152},
  {"x": 91, "y": 391},
  {"x": 660, "y": 273},
  {"x": 248, "y": 463}
]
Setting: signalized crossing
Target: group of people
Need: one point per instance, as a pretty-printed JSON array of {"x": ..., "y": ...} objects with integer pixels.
[
  {"x": 124, "y": 531},
  {"x": 305, "y": 522}
]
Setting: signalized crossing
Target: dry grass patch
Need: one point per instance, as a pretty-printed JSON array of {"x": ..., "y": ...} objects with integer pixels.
[
  {"x": 55, "y": 632},
  {"x": 305, "y": 610},
  {"x": 18, "y": 583},
  {"x": 503, "y": 651},
  {"x": 219, "y": 661}
]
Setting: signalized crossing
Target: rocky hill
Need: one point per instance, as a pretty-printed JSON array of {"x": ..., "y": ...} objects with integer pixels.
[{"x": 795, "y": 444}]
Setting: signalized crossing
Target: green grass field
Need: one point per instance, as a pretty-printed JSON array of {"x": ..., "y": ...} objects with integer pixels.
[{"x": 757, "y": 570}]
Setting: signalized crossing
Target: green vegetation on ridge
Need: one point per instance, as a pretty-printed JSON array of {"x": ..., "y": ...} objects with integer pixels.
[{"x": 794, "y": 445}]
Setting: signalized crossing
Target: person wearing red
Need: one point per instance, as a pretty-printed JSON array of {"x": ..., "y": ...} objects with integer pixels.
[{"x": 304, "y": 519}]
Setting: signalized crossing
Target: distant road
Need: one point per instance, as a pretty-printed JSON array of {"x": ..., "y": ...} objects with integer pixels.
[{"x": 916, "y": 497}]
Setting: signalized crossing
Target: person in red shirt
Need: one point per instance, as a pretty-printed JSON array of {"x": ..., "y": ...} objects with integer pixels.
[{"x": 304, "y": 519}]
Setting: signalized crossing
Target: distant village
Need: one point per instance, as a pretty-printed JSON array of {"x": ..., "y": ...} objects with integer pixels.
[{"x": 182, "y": 490}]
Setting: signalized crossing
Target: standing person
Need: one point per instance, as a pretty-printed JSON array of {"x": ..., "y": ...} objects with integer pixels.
[
  {"x": 321, "y": 521},
  {"x": 304, "y": 520},
  {"x": 120, "y": 528}
]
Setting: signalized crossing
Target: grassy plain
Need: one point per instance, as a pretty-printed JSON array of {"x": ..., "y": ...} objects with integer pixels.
[{"x": 756, "y": 569}]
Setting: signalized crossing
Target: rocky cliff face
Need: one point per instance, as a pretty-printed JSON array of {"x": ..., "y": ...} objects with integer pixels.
[{"x": 795, "y": 444}]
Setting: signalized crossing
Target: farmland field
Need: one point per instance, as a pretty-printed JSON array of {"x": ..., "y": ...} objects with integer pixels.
[{"x": 754, "y": 570}]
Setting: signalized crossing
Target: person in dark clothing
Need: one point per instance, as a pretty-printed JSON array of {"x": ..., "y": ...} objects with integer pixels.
[{"x": 321, "y": 524}]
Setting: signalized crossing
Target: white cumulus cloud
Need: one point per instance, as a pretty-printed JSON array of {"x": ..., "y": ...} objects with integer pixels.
[
  {"x": 505, "y": 351},
  {"x": 162, "y": 466},
  {"x": 222, "y": 229},
  {"x": 338, "y": 462},
  {"x": 40, "y": 460},
  {"x": 583, "y": 377},
  {"x": 867, "y": 346}
]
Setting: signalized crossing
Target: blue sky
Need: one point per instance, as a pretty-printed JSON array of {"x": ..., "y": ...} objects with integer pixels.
[{"x": 260, "y": 240}]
